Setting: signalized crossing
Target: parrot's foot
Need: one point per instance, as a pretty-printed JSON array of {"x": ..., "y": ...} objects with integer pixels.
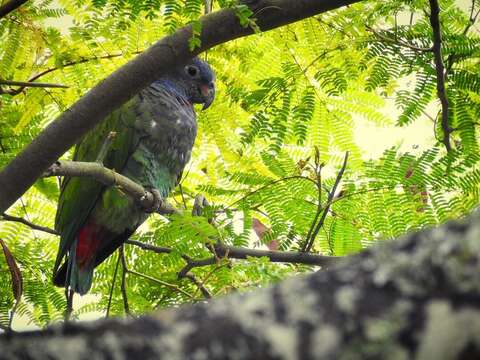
[
  {"x": 157, "y": 201},
  {"x": 198, "y": 205}
]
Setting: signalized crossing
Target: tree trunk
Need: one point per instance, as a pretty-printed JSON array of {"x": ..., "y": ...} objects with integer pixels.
[{"x": 414, "y": 297}]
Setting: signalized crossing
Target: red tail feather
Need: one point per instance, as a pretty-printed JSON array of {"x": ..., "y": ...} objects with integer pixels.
[{"x": 88, "y": 241}]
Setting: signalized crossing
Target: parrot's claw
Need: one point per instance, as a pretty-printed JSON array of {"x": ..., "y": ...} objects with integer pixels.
[
  {"x": 198, "y": 205},
  {"x": 157, "y": 201}
]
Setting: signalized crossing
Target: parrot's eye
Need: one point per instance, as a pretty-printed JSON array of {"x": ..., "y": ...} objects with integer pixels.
[{"x": 191, "y": 70}]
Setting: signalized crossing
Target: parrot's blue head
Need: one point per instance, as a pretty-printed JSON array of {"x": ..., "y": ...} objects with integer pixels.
[{"x": 197, "y": 81}]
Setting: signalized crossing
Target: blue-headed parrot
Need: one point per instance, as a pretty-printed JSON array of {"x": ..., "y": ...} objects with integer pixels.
[{"x": 155, "y": 132}]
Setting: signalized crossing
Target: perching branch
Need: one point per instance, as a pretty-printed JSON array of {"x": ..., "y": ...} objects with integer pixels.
[
  {"x": 440, "y": 69},
  {"x": 10, "y": 6},
  {"x": 108, "y": 177},
  {"x": 217, "y": 28}
]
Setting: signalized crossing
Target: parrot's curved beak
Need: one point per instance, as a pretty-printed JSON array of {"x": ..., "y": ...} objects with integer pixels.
[{"x": 208, "y": 93}]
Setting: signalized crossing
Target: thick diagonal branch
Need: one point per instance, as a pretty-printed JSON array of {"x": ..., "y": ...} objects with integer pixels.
[{"x": 10, "y": 6}]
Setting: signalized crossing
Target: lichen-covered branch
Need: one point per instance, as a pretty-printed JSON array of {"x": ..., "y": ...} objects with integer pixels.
[{"x": 415, "y": 297}]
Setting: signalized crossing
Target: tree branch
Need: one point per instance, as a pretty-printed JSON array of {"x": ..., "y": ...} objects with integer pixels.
[
  {"x": 235, "y": 252},
  {"x": 110, "y": 296},
  {"x": 415, "y": 297},
  {"x": 10, "y": 6},
  {"x": 24, "y": 84},
  {"x": 161, "y": 282},
  {"x": 217, "y": 28},
  {"x": 293, "y": 257},
  {"x": 331, "y": 195},
  {"x": 123, "y": 284},
  {"x": 440, "y": 69},
  {"x": 145, "y": 246},
  {"x": 398, "y": 42},
  {"x": 108, "y": 177},
  {"x": 28, "y": 223}
]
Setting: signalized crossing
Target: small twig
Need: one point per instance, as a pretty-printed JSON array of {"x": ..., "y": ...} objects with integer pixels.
[
  {"x": 73, "y": 63},
  {"x": 318, "y": 174},
  {"x": 206, "y": 294},
  {"x": 195, "y": 263},
  {"x": 104, "y": 149},
  {"x": 69, "y": 310},
  {"x": 440, "y": 69},
  {"x": 10, "y": 6},
  {"x": 123, "y": 285},
  {"x": 145, "y": 246},
  {"x": 398, "y": 42},
  {"x": 180, "y": 188},
  {"x": 235, "y": 252},
  {"x": 113, "y": 286},
  {"x": 160, "y": 282},
  {"x": 294, "y": 257},
  {"x": 472, "y": 19},
  {"x": 208, "y": 6},
  {"x": 275, "y": 182},
  {"x": 24, "y": 84},
  {"x": 28, "y": 223},
  {"x": 309, "y": 241}
]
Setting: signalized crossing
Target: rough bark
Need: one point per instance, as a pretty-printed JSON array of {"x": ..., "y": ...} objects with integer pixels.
[
  {"x": 414, "y": 297},
  {"x": 217, "y": 28},
  {"x": 9, "y": 6}
]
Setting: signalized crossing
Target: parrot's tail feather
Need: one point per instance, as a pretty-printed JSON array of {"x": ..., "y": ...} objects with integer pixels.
[
  {"x": 88, "y": 241},
  {"x": 77, "y": 271},
  {"x": 60, "y": 276}
]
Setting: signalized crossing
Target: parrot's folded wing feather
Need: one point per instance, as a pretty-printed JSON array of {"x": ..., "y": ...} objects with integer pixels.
[{"x": 79, "y": 195}]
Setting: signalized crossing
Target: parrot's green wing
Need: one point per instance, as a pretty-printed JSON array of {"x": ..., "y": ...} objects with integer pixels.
[{"x": 78, "y": 196}]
